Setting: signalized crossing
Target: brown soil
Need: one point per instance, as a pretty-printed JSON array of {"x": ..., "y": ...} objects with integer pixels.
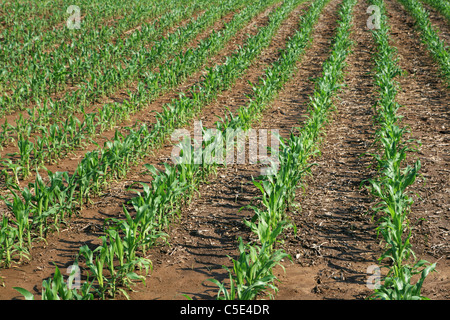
[{"x": 335, "y": 241}]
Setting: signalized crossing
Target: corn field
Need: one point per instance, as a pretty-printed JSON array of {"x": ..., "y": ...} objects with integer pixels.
[{"x": 225, "y": 150}]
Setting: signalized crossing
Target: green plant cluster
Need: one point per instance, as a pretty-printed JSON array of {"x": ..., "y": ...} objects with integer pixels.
[{"x": 37, "y": 209}]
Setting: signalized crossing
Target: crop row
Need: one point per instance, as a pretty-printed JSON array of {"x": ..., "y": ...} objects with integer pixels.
[
  {"x": 390, "y": 186},
  {"x": 430, "y": 37},
  {"x": 441, "y": 6}
]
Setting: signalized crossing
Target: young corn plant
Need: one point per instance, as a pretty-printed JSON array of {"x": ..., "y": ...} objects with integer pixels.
[
  {"x": 25, "y": 150},
  {"x": 96, "y": 266},
  {"x": 58, "y": 289},
  {"x": 5, "y": 134},
  {"x": 16, "y": 170},
  {"x": 21, "y": 211},
  {"x": 8, "y": 247},
  {"x": 157, "y": 204},
  {"x": 252, "y": 273}
]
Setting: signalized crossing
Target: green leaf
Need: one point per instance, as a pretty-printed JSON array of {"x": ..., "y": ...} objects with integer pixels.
[{"x": 27, "y": 294}]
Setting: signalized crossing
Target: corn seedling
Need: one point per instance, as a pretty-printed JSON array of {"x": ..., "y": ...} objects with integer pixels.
[
  {"x": 252, "y": 272},
  {"x": 58, "y": 289}
]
